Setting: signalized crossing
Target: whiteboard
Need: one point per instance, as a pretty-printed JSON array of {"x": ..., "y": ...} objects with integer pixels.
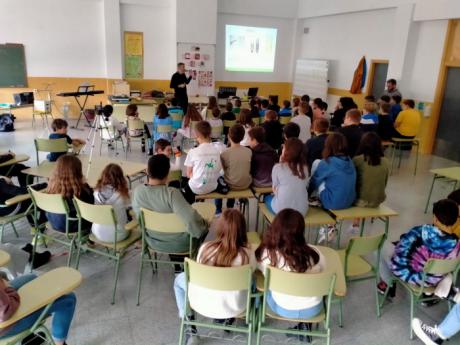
[
  {"x": 310, "y": 78},
  {"x": 200, "y": 59}
]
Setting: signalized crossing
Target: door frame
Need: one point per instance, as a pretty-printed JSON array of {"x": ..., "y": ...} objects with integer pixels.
[{"x": 370, "y": 78}]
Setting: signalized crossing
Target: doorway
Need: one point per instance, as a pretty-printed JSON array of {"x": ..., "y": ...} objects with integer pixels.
[
  {"x": 447, "y": 142},
  {"x": 378, "y": 73}
]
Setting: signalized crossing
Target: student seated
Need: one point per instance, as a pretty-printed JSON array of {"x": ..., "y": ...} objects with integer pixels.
[
  {"x": 236, "y": 162},
  {"x": 319, "y": 109},
  {"x": 175, "y": 109},
  {"x": 112, "y": 189},
  {"x": 15, "y": 170},
  {"x": 290, "y": 180},
  {"x": 162, "y": 118},
  {"x": 291, "y": 130},
  {"x": 407, "y": 258},
  {"x": 286, "y": 109},
  {"x": 60, "y": 127},
  {"x": 237, "y": 108},
  {"x": 192, "y": 115},
  {"x": 303, "y": 121},
  {"x": 407, "y": 123},
  {"x": 306, "y": 99},
  {"x": 203, "y": 164},
  {"x": 115, "y": 128},
  {"x": 343, "y": 105},
  {"x": 295, "y": 106},
  {"x": 254, "y": 109},
  {"x": 133, "y": 115},
  {"x": 263, "y": 158},
  {"x": 315, "y": 145},
  {"x": 228, "y": 115},
  {"x": 396, "y": 108},
  {"x": 334, "y": 177},
  {"x": 216, "y": 122},
  {"x": 68, "y": 180},
  {"x": 264, "y": 103},
  {"x": 230, "y": 248},
  {"x": 273, "y": 129},
  {"x": 158, "y": 197},
  {"x": 455, "y": 196},
  {"x": 212, "y": 103},
  {"x": 283, "y": 246},
  {"x": 62, "y": 310},
  {"x": 385, "y": 127},
  {"x": 369, "y": 119},
  {"x": 273, "y": 104},
  {"x": 352, "y": 131},
  {"x": 372, "y": 171},
  {"x": 247, "y": 123}
]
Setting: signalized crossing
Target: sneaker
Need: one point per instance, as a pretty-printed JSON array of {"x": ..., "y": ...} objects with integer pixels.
[
  {"x": 329, "y": 231},
  {"x": 428, "y": 334}
]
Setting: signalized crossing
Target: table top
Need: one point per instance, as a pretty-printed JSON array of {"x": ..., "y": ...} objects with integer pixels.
[
  {"x": 14, "y": 106},
  {"x": 98, "y": 164},
  {"x": 315, "y": 215},
  {"x": 364, "y": 212},
  {"x": 44, "y": 290},
  {"x": 333, "y": 263},
  {"x": 206, "y": 210},
  {"x": 452, "y": 172},
  {"x": 233, "y": 194},
  {"x": 17, "y": 159},
  {"x": 5, "y": 258},
  {"x": 199, "y": 99}
]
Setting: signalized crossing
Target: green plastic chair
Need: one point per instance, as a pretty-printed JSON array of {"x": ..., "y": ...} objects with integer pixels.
[
  {"x": 166, "y": 223},
  {"x": 357, "y": 267},
  {"x": 54, "y": 203},
  {"x": 398, "y": 145},
  {"x": 164, "y": 129},
  {"x": 229, "y": 123},
  {"x": 432, "y": 266},
  {"x": 221, "y": 279},
  {"x": 176, "y": 117},
  {"x": 135, "y": 124},
  {"x": 299, "y": 285},
  {"x": 104, "y": 214},
  {"x": 50, "y": 145},
  {"x": 284, "y": 120},
  {"x": 14, "y": 215},
  {"x": 216, "y": 132}
]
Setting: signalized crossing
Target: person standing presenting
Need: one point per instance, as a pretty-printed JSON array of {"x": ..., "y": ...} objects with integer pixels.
[{"x": 179, "y": 83}]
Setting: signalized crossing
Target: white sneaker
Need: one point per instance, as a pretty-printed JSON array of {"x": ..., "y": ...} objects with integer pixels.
[
  {"x": 322, "y": 234},
  {"x": 428, "y": 334},
  {"x": 354, "y": 229},
  {"x": 329, "y": 231}
]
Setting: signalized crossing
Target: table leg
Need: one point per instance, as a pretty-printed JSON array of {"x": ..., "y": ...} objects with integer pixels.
[
  {"x": 387, "y": 225},
  {"x": 431, "y": 191},
  {"x": 361, "y": 231}
]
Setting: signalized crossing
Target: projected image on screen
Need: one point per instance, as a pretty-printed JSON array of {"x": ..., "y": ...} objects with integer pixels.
[{"x": 249, "y": 49}]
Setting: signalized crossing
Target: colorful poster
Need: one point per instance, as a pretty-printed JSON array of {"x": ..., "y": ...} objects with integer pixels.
[
  {"x": 134, "y": 43},
  {"x": 134, "y": 67},
  {"x": 134, "y": 55}
]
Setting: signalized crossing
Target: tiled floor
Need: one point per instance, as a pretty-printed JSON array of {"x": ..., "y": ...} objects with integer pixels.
[{"x": 155, "y": 321}]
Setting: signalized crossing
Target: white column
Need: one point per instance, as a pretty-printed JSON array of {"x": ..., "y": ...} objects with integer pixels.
[{"x": 113, "y": 40}]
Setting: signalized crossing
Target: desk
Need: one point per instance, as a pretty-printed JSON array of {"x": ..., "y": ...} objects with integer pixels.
[
  {"x": 206, "y": 210},
  {"x": 13, "y": 161},
  {"x": 130, "y": 169},
  {"x": 333, "y": 263},
  {"x": 452, "y": 174},
  {"x": 5, "y": 258},
  {"x": 44, "y": 290},
  {"x": 10, "y": 106}
]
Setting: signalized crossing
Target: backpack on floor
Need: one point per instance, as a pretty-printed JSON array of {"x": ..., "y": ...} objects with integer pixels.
[{"x": 6, "y": 123}]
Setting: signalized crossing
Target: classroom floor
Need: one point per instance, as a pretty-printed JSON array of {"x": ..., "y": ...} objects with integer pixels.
[{"x": 155, "y": 321}]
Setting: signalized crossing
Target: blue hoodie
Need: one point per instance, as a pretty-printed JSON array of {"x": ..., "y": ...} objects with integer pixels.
[{"x": 339, "y": 176}]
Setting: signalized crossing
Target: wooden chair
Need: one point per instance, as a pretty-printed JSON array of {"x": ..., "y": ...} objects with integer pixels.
[
  {"x": 299, "y": 285},
  {"x": 53, "y": 203},
  {"x": 358, "y": 268},
  {"x": 40, "y": 294},
  {"x": 220, "y": 279},
  {"x": 416, "y": 293},
  {"x": 104, "y": 214},
  {"x": 50, "y": 145}
]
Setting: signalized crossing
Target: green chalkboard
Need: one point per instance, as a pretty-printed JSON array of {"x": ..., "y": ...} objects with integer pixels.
[{"x": 12, "y": 66}]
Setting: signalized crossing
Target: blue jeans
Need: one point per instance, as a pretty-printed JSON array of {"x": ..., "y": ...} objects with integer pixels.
[
  {"x": 306, "y": 314},
  {"x": 268, "y": 202},
  {"x": 451, "y": 324},
  {"x": 62, "y": 309},
  {"x": 179, "y": 292}
]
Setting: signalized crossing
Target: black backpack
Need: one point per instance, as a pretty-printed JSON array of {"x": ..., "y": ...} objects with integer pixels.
[{"x": 6, "y": 123}]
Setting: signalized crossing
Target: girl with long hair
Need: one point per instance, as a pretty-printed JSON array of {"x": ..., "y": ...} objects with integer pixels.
[
  {"x": 162, "y": 118},
  {"x": 284, "y": 246},
  {"x": 206, "y": 112},
  {"x": 191, "y": 115},
  {"x": 289, "y": 179},
  {"x": 247, "y": 123},
  {"x": 68, "y": 180},
  {"x": 112, "y": 189},
  {"x": 230, "y": 248}
]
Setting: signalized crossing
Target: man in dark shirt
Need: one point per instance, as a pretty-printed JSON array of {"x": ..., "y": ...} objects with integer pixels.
[
  {"x": 179, "y": 83},
  {"x": 314, "y": 146},
  {"x": 352, "y": 131}
]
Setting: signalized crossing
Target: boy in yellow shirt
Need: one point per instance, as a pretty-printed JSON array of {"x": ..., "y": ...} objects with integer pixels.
[{"x": 407, "y": 123}]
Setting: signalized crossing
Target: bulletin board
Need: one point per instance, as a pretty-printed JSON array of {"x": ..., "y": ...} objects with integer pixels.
[
  {"x": 12, "y": 65},
  {"x": 311, "y": 78},
  {"x": 199, "y": 60},
  {"x": 134, "y": 55}
]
